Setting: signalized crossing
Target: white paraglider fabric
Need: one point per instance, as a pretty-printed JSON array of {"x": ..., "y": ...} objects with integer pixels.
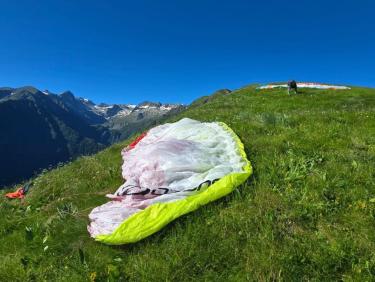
[
  {"x": 170, "y": 163},
  {"x": 306, "y": 85}
]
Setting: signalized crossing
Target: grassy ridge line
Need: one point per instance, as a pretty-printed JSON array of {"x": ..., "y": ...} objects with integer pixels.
[{"x": 307, "y": 213}]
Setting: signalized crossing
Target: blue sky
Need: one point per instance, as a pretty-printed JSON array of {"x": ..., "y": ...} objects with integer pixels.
[{"x": 176, "y": 51}]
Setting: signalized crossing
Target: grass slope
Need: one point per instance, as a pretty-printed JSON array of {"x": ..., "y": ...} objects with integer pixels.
[{"x": 307, "y": 213}]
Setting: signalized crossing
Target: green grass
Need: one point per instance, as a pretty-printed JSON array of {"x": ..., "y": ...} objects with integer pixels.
[{"x": 307, "y": 213}]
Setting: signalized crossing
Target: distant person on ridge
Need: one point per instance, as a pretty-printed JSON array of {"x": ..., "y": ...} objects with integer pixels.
[{"x": 292, "y": 85}]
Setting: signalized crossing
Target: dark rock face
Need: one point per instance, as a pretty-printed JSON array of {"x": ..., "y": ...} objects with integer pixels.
[
  {"x": 113, "y": 110},
  {"x": 140, "y": 116}
]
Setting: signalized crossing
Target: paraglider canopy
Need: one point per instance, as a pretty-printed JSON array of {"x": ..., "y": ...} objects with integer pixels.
[{"x": 169, "y": 171}]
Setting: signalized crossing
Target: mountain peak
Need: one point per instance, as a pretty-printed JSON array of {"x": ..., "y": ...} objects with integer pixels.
[
  {"x": 149, "y": 104},
  {"x": 5, "y": 92},
  {"x": 67, "y": 94},
  {"x": 47, "y": 92},
  {"x": 6, "y": 89},
  {"x": 87, "y": 101},
  {"x": 26, "y": 89}
]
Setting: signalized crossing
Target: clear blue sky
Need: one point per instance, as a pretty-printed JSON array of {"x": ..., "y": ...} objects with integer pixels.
[{"x": 175, "y": 51}]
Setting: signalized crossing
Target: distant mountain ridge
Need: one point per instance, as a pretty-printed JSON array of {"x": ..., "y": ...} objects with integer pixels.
[{"x": 40, "y": 128}]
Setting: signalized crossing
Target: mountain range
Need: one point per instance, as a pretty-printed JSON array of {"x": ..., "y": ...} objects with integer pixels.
[{"x": 39, "y": 129}]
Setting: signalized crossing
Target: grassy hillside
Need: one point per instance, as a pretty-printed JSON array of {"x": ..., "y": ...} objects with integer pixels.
[{"x": 307, "y": 213}]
